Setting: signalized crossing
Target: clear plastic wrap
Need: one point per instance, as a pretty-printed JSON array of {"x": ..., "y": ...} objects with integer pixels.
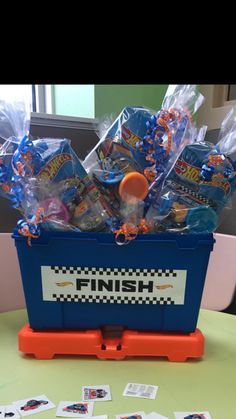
[
  {"x": 104, "y": 124},
  {"x": 14, "y": 120},
  {"x": 132, "y": 221},
  {"x": 45, "y": 180},
  {"x": 54, "y": 180},
  {"x": 227, "y": 137},
  {"x": 170, "y": 131},
  {"x": 184, "y": 97},
  {"x": 14, "y": 125},
  {"x": 199, "y": 185},
  {"x": 144, "y": 141},
  {"x": 150, "y": 172}
]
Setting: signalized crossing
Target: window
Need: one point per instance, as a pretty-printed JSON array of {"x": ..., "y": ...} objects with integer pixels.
[
  {"x": 74, "y": 100},
  {"x": 81, "y": 130},
  {"x": 17, "y": 92}
]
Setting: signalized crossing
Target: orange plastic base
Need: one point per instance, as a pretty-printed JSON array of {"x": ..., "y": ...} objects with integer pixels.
[{"x": 46, "y": 344}]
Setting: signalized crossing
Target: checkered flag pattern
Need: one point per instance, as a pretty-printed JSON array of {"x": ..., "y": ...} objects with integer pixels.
[
  {"x": 194, "y": 194},
  {"x": 190, "y": 192},
  {"x": 114, "y": 271},
  {"x": 113, "y": 285},
  {"x": 111, "y": 299}
]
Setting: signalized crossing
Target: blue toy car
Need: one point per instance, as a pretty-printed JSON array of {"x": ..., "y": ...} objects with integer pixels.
[
  {"x": 77, "y": 408},
  {"x": 33, "y": 404}
]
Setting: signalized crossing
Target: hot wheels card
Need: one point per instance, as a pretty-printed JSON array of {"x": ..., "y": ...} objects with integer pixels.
[
  {"x": 49, "y": 159},
  {"x": 187, "y": 174},
  {"x": 190, "y": 200},
  {"x": 119, "y": 142},
  {"x": 116, "y": 154},
  {"x": 143, "y": 141}
]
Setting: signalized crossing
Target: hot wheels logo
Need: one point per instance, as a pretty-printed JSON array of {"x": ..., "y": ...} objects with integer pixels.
[
  {"x": 53, "y": 166},
  {"x": 184, "y": 169},
  {"x": 129, "y": 137},
  {"x": 192, "y": 173}
]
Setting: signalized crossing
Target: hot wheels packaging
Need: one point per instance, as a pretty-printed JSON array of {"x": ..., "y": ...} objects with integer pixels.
[
  {"x": 198, "y": 187},
  {"x": 143, "y": 141},
  {"x": 46, "y": 181}
]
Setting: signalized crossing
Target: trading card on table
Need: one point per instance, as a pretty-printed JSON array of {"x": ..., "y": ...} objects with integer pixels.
[
  {"x": 11, "y": 412},
  {"x": 192, "y": 415},
  {"x": 2, "y": 410},
  {"x": 155, "y": 415},
  {"x": 75, "y": 409},
  {"x": 33, "y": 405},
  {"x": 146, "y": 391},
  {"x": 99, "y": 417},
  {"x": 98, "y": 393},
  {"x": 135, "y": 415}
]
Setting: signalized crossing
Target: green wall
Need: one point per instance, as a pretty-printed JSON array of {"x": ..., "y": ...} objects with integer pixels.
[
  {"x": 112, "y": 98},
  {"x": 91, "y": 101},
  {"x": 74, "y": 100}
]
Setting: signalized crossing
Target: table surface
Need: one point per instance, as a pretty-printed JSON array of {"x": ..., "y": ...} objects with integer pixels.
[{"x": 208, "y": 384}]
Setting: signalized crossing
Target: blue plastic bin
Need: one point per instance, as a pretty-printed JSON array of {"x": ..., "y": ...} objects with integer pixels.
[{"x": 85, "y": 280}]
